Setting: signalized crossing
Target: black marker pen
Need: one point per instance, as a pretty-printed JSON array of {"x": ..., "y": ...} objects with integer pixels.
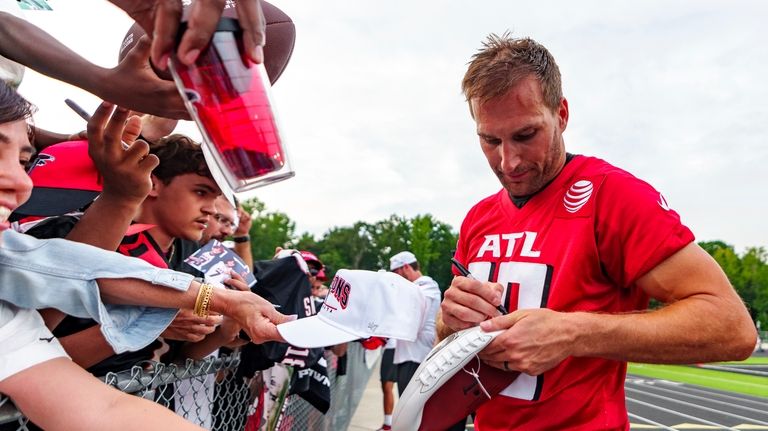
[{"x": 465, "y": 272}]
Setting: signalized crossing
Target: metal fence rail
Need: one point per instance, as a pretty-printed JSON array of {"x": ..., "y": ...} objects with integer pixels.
[{"x": 210, "y": 394}]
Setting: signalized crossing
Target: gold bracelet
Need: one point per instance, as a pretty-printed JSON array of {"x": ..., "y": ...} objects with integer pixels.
[
  {"x": 207, "y": 300},
  {"x": 206, "y": 303},
  {"x": 203, "y": 301},
  {"x": 198, "y": 300}
]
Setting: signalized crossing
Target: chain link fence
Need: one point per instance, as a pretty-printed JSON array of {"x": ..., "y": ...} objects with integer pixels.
[
  {"x": 210, "y": 394},
  {"x": 346, "y": 392}
]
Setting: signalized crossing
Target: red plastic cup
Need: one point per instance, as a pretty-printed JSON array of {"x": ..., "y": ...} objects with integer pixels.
[{"x": 229, "y": 99}]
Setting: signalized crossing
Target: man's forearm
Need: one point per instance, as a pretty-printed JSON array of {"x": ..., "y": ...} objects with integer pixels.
[
  {"x": 46, "y": 138},
  {"x": 705, "y": 319},
  {"x": 29, "y": 45},
  {"x": 697, "y": 329},
  {"x": 138, "y": 292}
]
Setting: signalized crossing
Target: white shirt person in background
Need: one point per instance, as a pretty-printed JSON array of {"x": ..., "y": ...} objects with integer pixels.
[{"x": 408, "y": 355}]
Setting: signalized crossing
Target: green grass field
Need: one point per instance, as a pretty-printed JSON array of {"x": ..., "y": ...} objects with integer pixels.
[
  {"x": 723, "y": 380},
  {"x": 755, "y": 360}
]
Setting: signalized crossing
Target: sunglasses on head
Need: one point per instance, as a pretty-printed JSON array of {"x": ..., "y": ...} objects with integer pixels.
[{"x": 313, "y": 271}]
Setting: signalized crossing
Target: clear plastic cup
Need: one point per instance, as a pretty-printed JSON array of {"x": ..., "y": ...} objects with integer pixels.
[{"x": 229, "y": 99}]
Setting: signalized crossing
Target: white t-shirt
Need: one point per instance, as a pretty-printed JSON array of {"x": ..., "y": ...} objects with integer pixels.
[
  {"x": 24, "y": 340},
  {"x": 417, "y": 351}
]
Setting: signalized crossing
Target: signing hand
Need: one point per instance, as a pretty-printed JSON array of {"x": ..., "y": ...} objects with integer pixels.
[
  {"x": 535, "y": 340},
  {"x": 468, "y": 302}
]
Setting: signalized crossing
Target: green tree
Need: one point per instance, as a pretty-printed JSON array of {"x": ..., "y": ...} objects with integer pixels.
[
  {"x": 430, "y": 240},
  {"x": 389, "y": 236},
  {"x": 307, "y": 241},
  {"x": 269, "y": 229},
  {"x": 747, "y": 273},
  {"x": 753, "y": 287},
  {"x": 348, "y": 247},
  {"x": 444, "y": 240}
]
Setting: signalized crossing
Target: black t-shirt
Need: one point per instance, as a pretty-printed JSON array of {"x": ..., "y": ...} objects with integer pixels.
[
  {"x": 284, "y": 284},
  {"x": 183, "y": 248}
]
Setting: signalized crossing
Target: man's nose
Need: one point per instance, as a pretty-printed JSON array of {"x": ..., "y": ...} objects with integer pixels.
[
  {"x": 209, "y": 208},
  {"x": 510, "y": 157}
]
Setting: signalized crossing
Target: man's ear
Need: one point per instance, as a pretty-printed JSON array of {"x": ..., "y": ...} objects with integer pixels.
[
  {"x": 157, "y": 185},
  {"x": 563, "y": 113}
]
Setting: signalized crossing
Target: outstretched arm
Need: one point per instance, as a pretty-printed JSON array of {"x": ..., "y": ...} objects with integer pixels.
[
  {"x": 53, "y": 275},
  {"x": 131, "y": 84},
  {"x": 255, "y": 314}
]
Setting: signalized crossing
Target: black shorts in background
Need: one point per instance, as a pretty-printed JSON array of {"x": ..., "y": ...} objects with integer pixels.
[{"x": 388, "y": 372}]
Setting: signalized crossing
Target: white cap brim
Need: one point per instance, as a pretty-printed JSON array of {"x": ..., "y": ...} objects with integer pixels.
[{"x": 314, "y": 332}]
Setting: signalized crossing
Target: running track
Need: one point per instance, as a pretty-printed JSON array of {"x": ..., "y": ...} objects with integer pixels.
[{"x": 665, "y": 405}]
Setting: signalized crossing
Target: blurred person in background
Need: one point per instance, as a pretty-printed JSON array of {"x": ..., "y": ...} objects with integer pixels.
[{"x": 409, "y": 355}]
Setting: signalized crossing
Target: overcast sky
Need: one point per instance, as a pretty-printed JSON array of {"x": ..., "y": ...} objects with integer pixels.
[{"x": 673, "y": 91}]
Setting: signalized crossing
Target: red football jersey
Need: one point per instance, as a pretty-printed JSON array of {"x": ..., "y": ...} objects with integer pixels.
[{"x": 577, "y": 245}]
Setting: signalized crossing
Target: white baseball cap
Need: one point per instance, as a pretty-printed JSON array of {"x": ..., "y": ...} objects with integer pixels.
[
  {"x": 361, "y": 304},
  {"x": 401, "y": 259}
]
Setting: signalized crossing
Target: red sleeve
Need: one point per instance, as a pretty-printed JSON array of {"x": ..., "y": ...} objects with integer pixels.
[{"x": 635, "y": 227}]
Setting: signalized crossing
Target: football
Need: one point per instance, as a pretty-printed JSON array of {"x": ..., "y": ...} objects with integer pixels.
[
  {"x": 280, "y": 35},
  {"x": 451, "y": 375}
]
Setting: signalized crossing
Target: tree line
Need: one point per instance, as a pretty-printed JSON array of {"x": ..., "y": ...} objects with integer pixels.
[
  {"x": 747, "y": 272},
  {"x": 369, "y": 245},
  {"x": 362, "y": 245}
]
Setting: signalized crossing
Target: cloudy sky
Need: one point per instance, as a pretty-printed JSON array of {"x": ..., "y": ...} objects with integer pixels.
[{"x": 673, "y": 91}]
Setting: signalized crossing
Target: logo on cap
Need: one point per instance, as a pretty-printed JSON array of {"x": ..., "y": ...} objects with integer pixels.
[
  {"x": 341, "y": 289},
  {"x": 577, "y": 196},
  {"x": 41, "y": 160}
]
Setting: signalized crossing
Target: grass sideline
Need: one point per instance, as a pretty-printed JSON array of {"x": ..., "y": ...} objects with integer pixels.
[{"x": 723, "y": 380}]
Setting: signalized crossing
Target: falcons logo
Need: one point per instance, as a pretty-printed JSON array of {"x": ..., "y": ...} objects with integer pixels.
[{"x": 41, "y": 160}]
